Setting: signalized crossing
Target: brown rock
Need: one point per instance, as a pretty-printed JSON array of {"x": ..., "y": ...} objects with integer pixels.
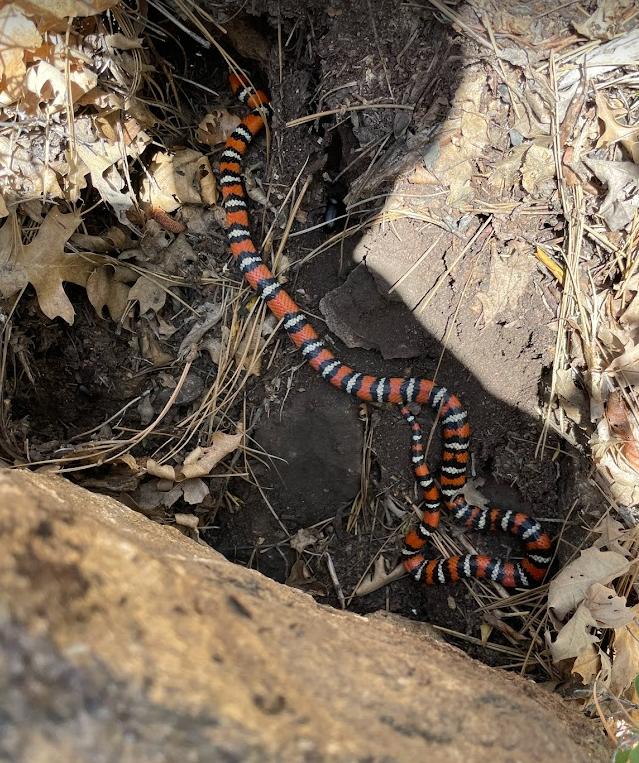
[
  {"x": 360, "y": 316},
  {"x": 122, "y": 640}
]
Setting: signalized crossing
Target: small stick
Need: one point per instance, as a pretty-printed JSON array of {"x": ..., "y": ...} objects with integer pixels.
[{"x": 336, "y": 584}]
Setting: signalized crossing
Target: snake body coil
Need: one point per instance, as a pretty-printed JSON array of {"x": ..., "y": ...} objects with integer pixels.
[{"x": 455, "y": 431}]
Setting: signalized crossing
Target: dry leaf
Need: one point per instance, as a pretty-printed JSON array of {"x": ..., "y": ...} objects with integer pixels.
[
  {"x": 120, "y": 41},
  {"x": 214, "y": 348},
  {"x": 171, "y": 496},
  {"x": 625, "y": 664},
  {"x": 165, "y": 329},
  {"x": 148, "y": 497},
  {"x": 571, "y": 585},
  {"x": 575, "y": 637},
  {"x": 629, "y": 317},
  {"x": 304, "y": 538},
  {"x": 129, "y": 460},
  {"x": 24, "y": 172},
  {"x": 145, "y": 410},
  {"x": 587, "y": 664},
  {"x": 534, "y": 121},
  {"x": 248, "y": 42},
  {"x": 216, "y": 127},
  {"x": 379, "y": 577},
  {"x": 625, "y": 368},
  {"x": 538, "y": 171},
  {"x": 613, "y": 338},
  {"x": 596, "y": 26},
  {"x": 184, "y": 177},
  {"x": 608, "y": 609},
  {"x": 151, "y": 348},
  {"x": 149, "y": 294},
  {"x": 213, "y": 312},
  {"x": 187, "y": 520},
  {"x": 153, "y": 494},
  {"x": 623, "y": 425},
  {"x": 88, "y": 242},
  {"x": 620, "y": 476},
  {"x": 249, "y": 353},
  {"x": 612, "y": 533},
  {"x": 421, "y": 176},
  {"x": 50, "y": 85},
  {"x": 100, "y": 159},
  {"x": 176, "y": 256},
  {"x": 75, "y": 178},
  {"x": 595, "y": 63},
  {"x": 571, "y": 398},
  {"x": 510, "y": 279},
  {"x": 162, "y": 471},
  {"x": 255, "y": 191},
  {"x": 197, "y": 464},
  {"x": 154, "y": 241},
  {"x": 200, "y": 461},
  {"x": 515, "y": 56},
  {"x": 462, "y": 139},
  {"x": 104, "y": 289},
  {"x": 615, "y": 131},
  {"x": 194, "y": 491},
  {"x": 299, "y": 576},
  {"x": 17, "y": 34},
  {"x": 44, "y": 263},
  {"x": 606, "y": 666},
  {"x": 61, "y": 9},
  {"x": 504, "y": 173},
  {"x": 472, "y": 492},
  {"x": 622, "y": 181}
]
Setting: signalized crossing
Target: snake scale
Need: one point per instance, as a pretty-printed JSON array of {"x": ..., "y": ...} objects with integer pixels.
[{"x": 455, "y": 430}]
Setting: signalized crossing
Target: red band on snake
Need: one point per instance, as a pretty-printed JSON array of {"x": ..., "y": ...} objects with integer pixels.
[{"x": 455, "y": 431}]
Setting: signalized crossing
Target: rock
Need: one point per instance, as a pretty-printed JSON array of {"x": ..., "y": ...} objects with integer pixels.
[
  {"x": 123, "y": 641},
  {"x": 319, "y": 442},
  {"x": 191, "y": 389},
  {"x": 361, "y": 317}
]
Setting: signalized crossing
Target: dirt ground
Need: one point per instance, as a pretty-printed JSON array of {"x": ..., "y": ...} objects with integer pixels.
[{"x": 482, "y": 320}]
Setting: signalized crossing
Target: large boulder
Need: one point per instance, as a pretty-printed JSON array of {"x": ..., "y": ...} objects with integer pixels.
[{"x": 123, "y": 640}]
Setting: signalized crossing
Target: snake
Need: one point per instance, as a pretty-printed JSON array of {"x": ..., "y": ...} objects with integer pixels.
[{"x": 442, "y": 494}]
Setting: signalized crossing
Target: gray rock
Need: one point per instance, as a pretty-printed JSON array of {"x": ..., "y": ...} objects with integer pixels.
[{"x": 361, "y": 317}]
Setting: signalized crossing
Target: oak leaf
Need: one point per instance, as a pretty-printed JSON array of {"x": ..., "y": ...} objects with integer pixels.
[
  {"x": 17, "y": 34},
  {"x": 587, "y": 664},
  {"x": 149, "y": 294},
  {"x": 43, "y": 263},
  {"x": 575, "y": 637},
  {"x": 608, "y": 609},
  {"x": 615, "y": 131},
  {"x": 107, "y": 287},
  {"x": 183, "y": 177},
  {"x": 572, "y": 584},
  {"x": 216, "y": 127},
  {"x": 625, "y": 665}
]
